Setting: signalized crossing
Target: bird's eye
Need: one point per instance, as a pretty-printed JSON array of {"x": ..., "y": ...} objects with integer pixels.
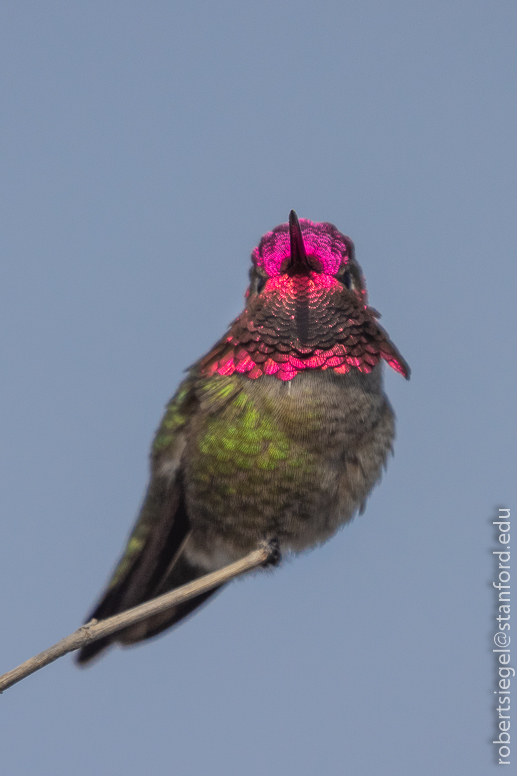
[
  {"x": 346, "y": 279},
  {"x": 257, "y": 281}
]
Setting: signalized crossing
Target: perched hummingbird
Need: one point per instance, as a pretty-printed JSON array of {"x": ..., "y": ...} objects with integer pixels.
[{"x": 279, "y": 433}]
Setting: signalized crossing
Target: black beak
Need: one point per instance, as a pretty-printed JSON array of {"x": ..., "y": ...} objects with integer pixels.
[{"x": 298, "y": 263}]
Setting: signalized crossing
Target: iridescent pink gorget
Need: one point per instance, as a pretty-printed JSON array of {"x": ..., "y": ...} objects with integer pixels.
[{"x": 306, "y": 310}]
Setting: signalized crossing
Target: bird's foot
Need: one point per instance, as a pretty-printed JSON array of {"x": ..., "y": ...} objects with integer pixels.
[{"x": 275, "y": 556}]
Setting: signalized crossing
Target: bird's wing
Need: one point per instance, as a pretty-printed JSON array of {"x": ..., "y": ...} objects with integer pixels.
[{"x": 152, "y": 562}]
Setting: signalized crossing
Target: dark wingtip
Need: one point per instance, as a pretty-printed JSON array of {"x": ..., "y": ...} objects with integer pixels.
[{"x": 91, "y": 651}]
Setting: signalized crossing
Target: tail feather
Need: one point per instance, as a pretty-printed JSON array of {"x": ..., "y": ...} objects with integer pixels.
[
  {"x": 159, "y": 566},
  {"x": 149, "y": 628}
]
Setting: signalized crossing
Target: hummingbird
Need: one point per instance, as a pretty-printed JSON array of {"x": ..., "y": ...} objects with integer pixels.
[{"x": 277, "y": 434}]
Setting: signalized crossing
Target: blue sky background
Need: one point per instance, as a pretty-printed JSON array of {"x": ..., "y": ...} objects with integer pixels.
[{"x": 146, "y": 147}]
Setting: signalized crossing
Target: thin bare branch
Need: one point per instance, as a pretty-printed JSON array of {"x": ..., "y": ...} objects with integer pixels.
[{"x": 95, "y": 630}]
